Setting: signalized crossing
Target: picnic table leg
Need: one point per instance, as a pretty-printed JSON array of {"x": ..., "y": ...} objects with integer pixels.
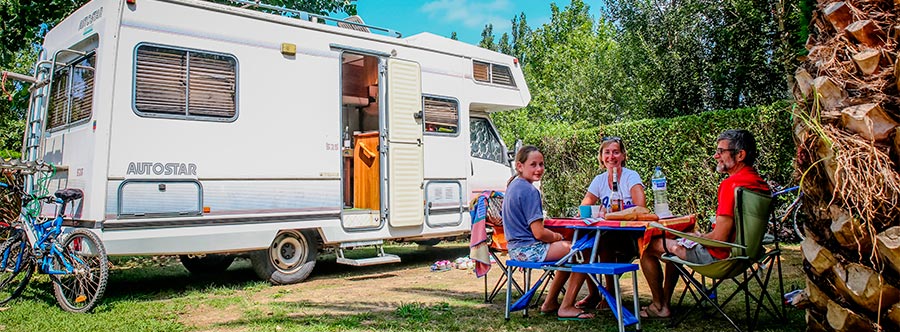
[
  {"x": 637, "y": 305},
  {"x": 619, "y": 305}
]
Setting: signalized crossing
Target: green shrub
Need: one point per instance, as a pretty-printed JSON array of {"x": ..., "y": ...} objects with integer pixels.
[{"x": 682, "y": 146}]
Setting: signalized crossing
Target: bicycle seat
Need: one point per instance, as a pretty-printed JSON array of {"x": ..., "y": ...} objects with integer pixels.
[{"x": 69, "y": 194}]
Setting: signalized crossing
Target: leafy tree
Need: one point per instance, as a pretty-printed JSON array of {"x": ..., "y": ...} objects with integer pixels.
[
  {"x": 520, "y": 34},
  {"x": 453, "y": 36},
  {"x": 487, "y": 38},
  {"x": 504, "y": 46},
  {"x": 699, "y": 55}
]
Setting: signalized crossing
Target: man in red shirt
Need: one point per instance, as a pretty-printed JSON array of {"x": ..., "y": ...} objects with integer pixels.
[{"x": 735, "y": 155}]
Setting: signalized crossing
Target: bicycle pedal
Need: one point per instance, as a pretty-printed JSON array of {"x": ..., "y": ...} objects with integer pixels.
[{"x": 80, "y": 298}]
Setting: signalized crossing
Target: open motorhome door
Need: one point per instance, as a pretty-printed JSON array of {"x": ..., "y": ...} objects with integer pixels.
[{"x": 405, "y": 157}]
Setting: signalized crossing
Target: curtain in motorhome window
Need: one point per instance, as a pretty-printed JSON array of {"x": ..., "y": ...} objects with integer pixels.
[
  {"x": 72, "y": 93},
  {"x": 82, "y": 90},
  {"x": 485, "y": 143},
  {"x": 179, "y": 82},
  {"x": 441, "y": 115},
  {"x": 502, "y": 75},
  {"x": 59, "y": 101},
  {"x": 480, "y": 71}
]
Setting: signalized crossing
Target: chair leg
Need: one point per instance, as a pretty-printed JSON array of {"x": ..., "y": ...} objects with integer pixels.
[
  {"x": 509, "y": 281},
  {"x": 486, "y": 295},
  {"x": 704, "y": 297},
  {"x": 527, "y": 273},
  {"x": 776, "y": 256}
]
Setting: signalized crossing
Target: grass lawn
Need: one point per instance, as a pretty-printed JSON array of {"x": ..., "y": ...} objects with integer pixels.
[{"x": 157, "y": 294}]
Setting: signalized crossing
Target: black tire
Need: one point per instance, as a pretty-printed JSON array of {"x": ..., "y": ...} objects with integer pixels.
[
  {"x": 81, "y": 290},
  {"x": 16, "y": 267},
  {"x": 289, "y": 259},
  {"x": 208, "y": 264},
  {"x": 428, "y": 243}
]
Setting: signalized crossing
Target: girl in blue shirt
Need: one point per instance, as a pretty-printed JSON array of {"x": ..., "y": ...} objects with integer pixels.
[{"x": 528, "y": 240}]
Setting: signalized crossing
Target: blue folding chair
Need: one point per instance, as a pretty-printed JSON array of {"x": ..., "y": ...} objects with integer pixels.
[{"x": 583, "y": 243}]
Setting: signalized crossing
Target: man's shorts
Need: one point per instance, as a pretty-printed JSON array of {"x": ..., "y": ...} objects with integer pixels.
[
  {"x": 698, "y": 254},
  {"x": 535, "y": 252}
]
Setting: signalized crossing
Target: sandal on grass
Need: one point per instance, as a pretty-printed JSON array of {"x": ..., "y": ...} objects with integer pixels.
[{"x": 584, "y": 315}]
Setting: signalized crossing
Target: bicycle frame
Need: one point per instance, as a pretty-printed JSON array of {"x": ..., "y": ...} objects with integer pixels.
[{"x": 42, "y": 236}]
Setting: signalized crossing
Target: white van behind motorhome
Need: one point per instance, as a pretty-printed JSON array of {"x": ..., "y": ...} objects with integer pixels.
[{"x": 198, "y": 129}]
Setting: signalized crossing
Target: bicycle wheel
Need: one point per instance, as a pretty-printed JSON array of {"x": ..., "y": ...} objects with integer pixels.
[
  {"x": 16, "y": 267},
  {"x": 85, "y": 257}
]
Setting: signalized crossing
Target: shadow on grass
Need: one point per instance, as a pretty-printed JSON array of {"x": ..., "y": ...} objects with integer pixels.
[{"x": 167, "y": 279}]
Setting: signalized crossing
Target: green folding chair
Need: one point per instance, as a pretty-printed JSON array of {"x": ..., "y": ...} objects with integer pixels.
[{"x": 745, "y": 264}]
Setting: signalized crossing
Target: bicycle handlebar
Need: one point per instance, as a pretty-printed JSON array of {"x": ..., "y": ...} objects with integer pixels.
[{"x": 785, "y": 191}]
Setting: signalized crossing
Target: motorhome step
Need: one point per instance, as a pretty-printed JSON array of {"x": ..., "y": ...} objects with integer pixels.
[
  {"x": 361, "y": 243},
  {"x": 384, "y": 259}
]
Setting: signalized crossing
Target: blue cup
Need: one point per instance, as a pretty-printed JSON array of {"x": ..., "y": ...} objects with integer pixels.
[{"x": 584, "y": 211}]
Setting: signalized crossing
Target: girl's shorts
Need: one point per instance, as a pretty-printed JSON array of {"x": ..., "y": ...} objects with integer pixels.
[{"x": 535, "y": 252}]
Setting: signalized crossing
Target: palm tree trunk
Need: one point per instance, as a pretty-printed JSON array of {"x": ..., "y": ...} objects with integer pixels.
[{"x": 848, "y": 151}]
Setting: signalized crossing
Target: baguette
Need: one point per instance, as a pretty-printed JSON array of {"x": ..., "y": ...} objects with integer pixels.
[{"x": 639, "y": 213}]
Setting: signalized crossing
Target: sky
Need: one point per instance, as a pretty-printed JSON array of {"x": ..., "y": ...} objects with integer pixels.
[{"x": 466, "y": 17}]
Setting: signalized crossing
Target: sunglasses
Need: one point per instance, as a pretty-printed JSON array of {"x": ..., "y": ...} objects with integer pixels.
[{"x": 611, "y": 138}]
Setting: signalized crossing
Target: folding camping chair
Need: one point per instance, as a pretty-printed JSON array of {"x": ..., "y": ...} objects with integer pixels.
[
  {"x": 748, "y": 258},
  {"x": 496, "y": 247}
]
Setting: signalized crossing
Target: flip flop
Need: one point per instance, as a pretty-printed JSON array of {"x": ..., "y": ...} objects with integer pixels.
[
  {"x": 579, "y": 316},
  {"x": 549, "y": 312},
  {"x": 646, "y": 313}
]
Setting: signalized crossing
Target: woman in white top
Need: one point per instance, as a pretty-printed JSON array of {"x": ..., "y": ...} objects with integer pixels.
[{"x": 612, "y": 156}]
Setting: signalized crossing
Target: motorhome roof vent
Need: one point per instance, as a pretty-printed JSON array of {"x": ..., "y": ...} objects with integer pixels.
[{"x": 353, "y": 23}]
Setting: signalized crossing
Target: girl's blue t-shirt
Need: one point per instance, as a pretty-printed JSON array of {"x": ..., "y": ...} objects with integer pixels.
[{"x": 521, "y": 207}]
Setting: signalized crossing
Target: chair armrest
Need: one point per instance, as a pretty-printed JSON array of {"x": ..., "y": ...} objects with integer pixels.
[{"x": 701, "y": 240}]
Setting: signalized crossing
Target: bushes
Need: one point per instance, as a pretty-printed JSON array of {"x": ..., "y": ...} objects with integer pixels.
[{"x": 683, "y": 146}]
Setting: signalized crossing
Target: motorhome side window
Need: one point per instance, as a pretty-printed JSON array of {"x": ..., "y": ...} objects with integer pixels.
[
  {"x": 72, "y": 94},
  {"x": 485, "y": 143},
  {"x": 492, "y": 73},
  {"x": 441, "y": 115},
  {"x": 177, "y": 83}
]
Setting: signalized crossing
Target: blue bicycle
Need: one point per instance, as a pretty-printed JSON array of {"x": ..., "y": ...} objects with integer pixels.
[{"x": 75, "y": 259}]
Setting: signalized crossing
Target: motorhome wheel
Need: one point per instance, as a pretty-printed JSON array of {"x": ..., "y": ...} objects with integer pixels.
[
  {"x": 289, "y": 259},
  {"x": 429, "y": 242},
  {"x": 207, "y": 264}
]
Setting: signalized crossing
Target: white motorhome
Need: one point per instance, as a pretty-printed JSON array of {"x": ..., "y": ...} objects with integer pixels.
[{"x": 197, "y": 128}]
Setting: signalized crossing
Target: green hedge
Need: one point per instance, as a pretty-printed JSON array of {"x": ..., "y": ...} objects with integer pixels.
[{"x": 682, "y": 146}]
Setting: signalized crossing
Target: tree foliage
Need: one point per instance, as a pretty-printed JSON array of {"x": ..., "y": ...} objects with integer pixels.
[{"x": 653, "y": 58}]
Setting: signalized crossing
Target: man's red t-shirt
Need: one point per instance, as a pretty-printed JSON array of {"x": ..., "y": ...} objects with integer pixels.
[{"x": 745, "y": 177}]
